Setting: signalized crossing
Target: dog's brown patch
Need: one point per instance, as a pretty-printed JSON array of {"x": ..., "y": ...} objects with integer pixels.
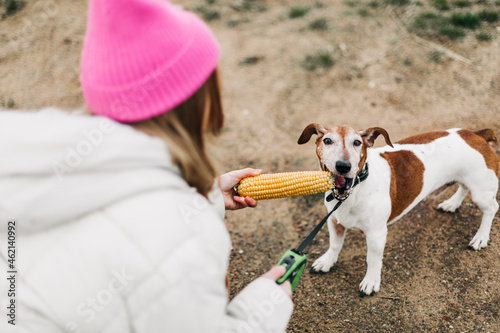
[
  {"x": 407, "y": 179},
  {"x": 422, "y": 139},
  {"x": 479, "y": 141}
]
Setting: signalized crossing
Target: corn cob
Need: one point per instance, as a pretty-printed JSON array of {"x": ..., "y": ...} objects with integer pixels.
[{"x": 287, "y": 184}]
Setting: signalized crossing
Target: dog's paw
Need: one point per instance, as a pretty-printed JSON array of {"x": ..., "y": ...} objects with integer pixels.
[
  {"x": 449, "y": 206},
  {"x": 479, "y": 242},
  {"x": 362, "y": 294},
  {"x": 368, "y": 287},
  {"x": 324, "y": 263}
]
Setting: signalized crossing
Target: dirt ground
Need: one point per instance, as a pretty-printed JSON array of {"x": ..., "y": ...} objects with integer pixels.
[{"x": 383, "y": 75}]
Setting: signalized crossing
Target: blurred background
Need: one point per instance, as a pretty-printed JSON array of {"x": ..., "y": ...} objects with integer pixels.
[{"x": 407, "y": 66}]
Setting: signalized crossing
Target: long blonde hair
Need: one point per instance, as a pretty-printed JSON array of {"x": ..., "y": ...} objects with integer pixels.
[{"x": 184, "y": 128}]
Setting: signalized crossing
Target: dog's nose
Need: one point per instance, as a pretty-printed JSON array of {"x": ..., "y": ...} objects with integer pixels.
[{"x": 343, "y": 166}]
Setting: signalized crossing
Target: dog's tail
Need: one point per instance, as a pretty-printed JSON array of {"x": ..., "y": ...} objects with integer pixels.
[{"x": 488, "y": 135}]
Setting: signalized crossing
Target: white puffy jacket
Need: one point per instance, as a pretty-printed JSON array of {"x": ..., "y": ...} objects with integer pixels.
[{"x": 110, "y": 238}]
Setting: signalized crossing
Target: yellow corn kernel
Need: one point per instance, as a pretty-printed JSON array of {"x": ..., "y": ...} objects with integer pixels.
[{"x": 287, "y": 184}]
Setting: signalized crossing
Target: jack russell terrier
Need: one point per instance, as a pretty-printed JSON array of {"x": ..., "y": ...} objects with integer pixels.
[{"x": 400, "y": 176}]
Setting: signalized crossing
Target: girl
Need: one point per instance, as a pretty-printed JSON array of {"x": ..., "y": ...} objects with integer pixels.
[{"x": 119, "y": 219}]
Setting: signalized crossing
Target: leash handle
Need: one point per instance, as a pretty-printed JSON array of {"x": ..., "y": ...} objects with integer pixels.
[{"x": 294, "y": 263}]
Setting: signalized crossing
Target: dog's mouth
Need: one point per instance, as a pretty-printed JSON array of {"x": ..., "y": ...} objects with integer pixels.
[{"x": 342, "y": 185}]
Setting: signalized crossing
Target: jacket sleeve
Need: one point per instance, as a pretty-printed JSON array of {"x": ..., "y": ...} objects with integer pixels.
[{"x": 262, "y": 306}]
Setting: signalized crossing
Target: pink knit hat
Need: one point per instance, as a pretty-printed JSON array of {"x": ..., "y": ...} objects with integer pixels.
[{"x": 141, "y": 58}]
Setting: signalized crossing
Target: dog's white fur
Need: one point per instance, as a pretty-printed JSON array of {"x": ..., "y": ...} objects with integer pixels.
[{"x": 368, "y": 208}]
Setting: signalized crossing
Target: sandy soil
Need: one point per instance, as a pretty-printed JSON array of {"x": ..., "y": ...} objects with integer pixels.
[{"x": 382, "y": 76}]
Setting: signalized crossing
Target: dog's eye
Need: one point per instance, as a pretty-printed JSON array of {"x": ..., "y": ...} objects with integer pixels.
[
  {"x": 327, "y": 141},
  {"x": 357, "y": 143}
]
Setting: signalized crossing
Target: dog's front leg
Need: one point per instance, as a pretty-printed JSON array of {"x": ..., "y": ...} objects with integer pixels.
[
  {"x": 375, "y": 242},
  {"x": 327, "y": 260}
]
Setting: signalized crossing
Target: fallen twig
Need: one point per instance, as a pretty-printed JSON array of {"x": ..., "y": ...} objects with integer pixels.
[{"x": 393, "y": 298}]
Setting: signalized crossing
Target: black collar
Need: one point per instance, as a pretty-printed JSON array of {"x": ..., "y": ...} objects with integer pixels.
[{"x": 362, "y": 175}]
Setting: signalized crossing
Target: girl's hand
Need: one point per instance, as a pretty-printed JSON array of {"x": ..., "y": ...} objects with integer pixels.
[
  {"x": 226, "y": 183},
  {"x": 275, "y": 273}
]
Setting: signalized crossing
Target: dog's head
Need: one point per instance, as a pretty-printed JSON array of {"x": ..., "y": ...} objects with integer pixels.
[{"x": 342, "y": 150}]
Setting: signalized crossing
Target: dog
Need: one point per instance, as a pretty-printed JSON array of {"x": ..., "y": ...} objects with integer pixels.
[{"x": 398, "y": 177}]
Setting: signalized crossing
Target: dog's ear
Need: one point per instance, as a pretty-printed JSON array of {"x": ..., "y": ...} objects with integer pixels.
[
  {"x": 309, "y": 131},
  {"x": 370, "y": 134}
]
